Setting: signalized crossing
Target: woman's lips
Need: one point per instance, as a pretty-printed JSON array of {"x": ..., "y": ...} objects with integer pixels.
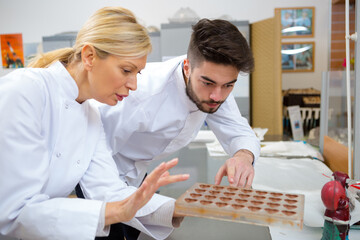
[{"x": 120, "y": 97}]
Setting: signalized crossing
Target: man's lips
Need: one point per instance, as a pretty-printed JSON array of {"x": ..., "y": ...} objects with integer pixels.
[
  {"x": 212, "y": 105},
  {"x": 120, "y": 97}
]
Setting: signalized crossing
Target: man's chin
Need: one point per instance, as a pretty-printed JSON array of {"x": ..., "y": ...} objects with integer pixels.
[
  {"x": 213, "y": 110},
  {"x": 209, "y": 110}
]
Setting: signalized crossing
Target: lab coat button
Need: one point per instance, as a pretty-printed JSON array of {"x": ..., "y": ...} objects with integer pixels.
[
  {"x": 78, "y": 161},
  {"x": 58, "y": 155},
  {"x": 66, "y": 106}
]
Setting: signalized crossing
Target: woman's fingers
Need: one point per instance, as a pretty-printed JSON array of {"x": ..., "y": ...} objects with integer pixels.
[
  {"x": 172, "y": 163},
  {"x": 166, "y": 178},
  {"x": 157, "y": 178},
  {"x": 172, "y": 179},
  {"x": 165, "y": 174},
  {"x": 157, "y": 174},
  {"x": 159, "y": 170}
]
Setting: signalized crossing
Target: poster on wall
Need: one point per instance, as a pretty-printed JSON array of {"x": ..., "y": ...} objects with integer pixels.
[
  {"x": 297, "y": 22},
  {"x": 12, "y": 53},
  {"x": 297, "y": 57}
]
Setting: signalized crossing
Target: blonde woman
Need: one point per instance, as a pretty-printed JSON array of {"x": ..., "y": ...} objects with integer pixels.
[{"x": 52, "y": 139}]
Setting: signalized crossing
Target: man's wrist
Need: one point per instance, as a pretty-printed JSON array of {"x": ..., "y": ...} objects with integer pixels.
[{"x": 246, "y": 152}]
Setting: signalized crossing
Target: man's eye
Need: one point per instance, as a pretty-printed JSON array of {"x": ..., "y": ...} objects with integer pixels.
[{"x": 206, "y": 83}]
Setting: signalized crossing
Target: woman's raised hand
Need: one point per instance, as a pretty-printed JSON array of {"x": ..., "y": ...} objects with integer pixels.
[{"x": 125, "y": 210}]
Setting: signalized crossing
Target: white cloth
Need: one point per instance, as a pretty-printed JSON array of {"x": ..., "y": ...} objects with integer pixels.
[
  {"x": 289, "y": 149},
  {"x": 159, "y": 118},
  {"x": 301, "y": 176},
  {"x": 49, "y": 143},
  {"x": 291, "y": 169}
]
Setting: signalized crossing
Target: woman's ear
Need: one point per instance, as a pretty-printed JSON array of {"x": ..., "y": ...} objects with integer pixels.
[{"x": 88, "y": 55}]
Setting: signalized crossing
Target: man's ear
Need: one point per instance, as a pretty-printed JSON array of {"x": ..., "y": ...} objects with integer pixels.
[
  {"x": 187, "y": 68},
  {"x": 88, "y": 55}
]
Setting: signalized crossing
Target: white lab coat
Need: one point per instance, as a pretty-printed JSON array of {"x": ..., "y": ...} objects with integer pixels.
[
  {"x": 158, "y": 119},
  {"x": 49, "y": 143}
]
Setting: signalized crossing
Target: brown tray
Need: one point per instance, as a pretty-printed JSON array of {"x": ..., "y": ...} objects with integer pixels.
[{"x": 252, "y": 206}]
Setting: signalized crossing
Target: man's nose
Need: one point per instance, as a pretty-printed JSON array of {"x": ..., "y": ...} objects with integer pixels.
[{"x": 215, "y": 95}]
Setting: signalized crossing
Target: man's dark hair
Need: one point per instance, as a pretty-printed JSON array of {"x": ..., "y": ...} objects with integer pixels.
[{"x": 220, "y": 42}]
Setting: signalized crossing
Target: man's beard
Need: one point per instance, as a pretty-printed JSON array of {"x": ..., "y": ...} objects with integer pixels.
[{"x": 191, "y": 94}]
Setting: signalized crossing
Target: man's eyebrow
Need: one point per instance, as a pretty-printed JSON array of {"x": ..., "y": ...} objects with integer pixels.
[
  {"x": 210, "y": 80},
  {"x": 207, "y": 79},
  {"x": 231, "y": 82}
]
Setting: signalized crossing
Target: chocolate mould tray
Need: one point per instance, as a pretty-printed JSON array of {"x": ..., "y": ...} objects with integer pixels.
[{"x": 252, "y": 206}]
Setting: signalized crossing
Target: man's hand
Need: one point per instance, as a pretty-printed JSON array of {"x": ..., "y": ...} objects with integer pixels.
[{"x": 238, "y": 169}]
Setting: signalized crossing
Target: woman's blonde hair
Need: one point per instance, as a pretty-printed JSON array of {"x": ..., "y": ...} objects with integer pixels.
[{"x": 110, "y": 30}]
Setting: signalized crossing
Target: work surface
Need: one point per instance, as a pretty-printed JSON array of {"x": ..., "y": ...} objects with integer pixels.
[
  {"x": 273, "y": 173},
  {"x": 201, "y": 228}
]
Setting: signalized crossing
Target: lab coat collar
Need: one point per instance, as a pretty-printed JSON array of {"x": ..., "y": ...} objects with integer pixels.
[
  {"x": 67, "y": 84},
  {"x": 182, "y": 89}
]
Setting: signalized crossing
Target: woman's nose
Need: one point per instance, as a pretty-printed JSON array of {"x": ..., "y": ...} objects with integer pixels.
[{"x": 132, "y": 83}]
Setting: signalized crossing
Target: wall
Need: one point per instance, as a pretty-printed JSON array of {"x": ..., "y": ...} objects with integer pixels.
[
  {"x": 37, "y": 18},
  {"x": 338, "y": 42}
]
